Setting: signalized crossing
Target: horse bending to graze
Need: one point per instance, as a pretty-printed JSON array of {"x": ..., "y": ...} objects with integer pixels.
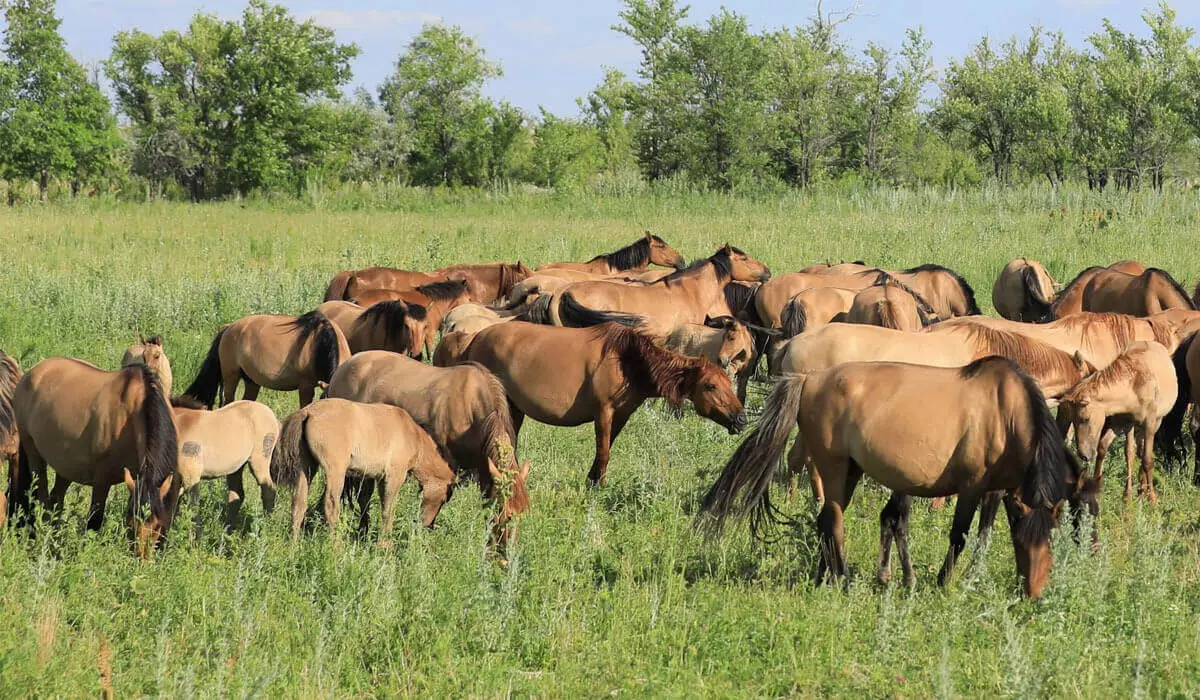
[
  {"x": 723, "y": 341},
  {"x": 1137, "y": 295},
  {"x": 1024, "y": 291},
  {"x": 373, "y": 441},
  {"x": 10, "y": 374},
  {"x": 98, "y": 428},
  {"x": 919, "y": 431},
  {"x": 220, "y": 443},
  {"x": 1070, "y": 300},
  {"x": 463, "y": 408},
  {"x": 814, "y": 308},
  {"x": 284, "y": 353},
  {"x": 1131, "y": 395},
  {"x": 572, "y": 376},
  {"x": 487, "y": 283},
  {"x": 635, "y": 257},
  {"x": 473, "y": 318},
  {"x": 891, "y": 304},
  {"x": 395, "y": 326}
]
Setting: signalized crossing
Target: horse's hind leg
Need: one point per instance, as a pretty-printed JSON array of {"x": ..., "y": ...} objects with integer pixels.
[
  {"x": 1130, "y": 458},
  {"x": 252, "y": 390},
  {"x": 1146, "y": 479},
  {"x": 988, "y": 505},
  {"x": 96, "y": 511},
  {"x": 797, "y": 461},
  {"x": 893, "y": 525},
  {"x": 335, "y": 482},
  {"x": 299, "y": 504},
  {"x": 54, "y": 501},
  {"x": 839, "y": 488},
  {"x": 229, "y": 385},
  {"x": 964, "y": 513},
  {"x": 364, "y": 489},
  {"x": 235, "y": 494}
]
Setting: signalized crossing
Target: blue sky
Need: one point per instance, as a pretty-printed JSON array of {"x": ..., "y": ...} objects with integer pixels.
[{"x": 552, "y": 51}]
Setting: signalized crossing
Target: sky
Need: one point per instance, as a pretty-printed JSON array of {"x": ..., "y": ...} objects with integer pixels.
[{"x": 554, "y": 51}]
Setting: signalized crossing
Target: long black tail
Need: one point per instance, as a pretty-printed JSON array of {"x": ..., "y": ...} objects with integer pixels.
[
  {"x": 1169, "y": 439},
  {"x": 576, "y": 315},
  {"x": 794, "y": 318},
  {"x": 326, "y": 353},
  {"x": 207, "y": 383}
]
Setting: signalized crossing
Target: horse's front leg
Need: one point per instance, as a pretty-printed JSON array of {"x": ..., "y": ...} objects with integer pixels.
[
  {"x": 964, "y": 513},
  {"x": 603, "y": 427},
  {"x": 96, "y": 510}
]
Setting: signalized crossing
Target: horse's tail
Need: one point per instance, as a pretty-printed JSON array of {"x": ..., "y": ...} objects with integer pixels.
[
  {"x": 576, "y": 315},
  {"x": 336, "y": 290},
  {"x": 20, "y": 483},
  {"x": 538, "y": 311},
  {"x": 292, "y": 455},
  {"x": 160, "y": 453},
  {"x": 1037, "y": 300},
  {"x": 327, "y": 352},
  {"x": 1169, "y": 438},
  {"x": 208, "y": 380},
  {"x": 745, "y": 484},
  {"x": 794, "y": 319}
]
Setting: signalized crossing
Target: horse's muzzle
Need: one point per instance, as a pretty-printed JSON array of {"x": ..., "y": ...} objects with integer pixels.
[
  {"x": 738, "y": 424},
  {"x": 764, "y": 275}
]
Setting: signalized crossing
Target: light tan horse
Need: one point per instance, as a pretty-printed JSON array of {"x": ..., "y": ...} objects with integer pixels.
[
  {"x": 372, "y": 441},
  {"x": 387, "y": 325},
  {"x": 1131, "y": 396},
  {"x": 284, "y": 353},
  {"x": 10, "y": 443},
  {"x": 452, "y": 347},
  {"x": 572, "y": 376},
  {"x": 98, "y": 428},
  {"x": 472, "y": 318},
  {"x": 464, "y": 408},
  {"x": 687, "y": 296},
  {"x": 220, "y": 443},
  {"x": 891, "y": 304},
  {"x": 1024, "y": 291},
  {"x": 1070, "y": 300},
  {"x": 1137, "y": 295},
  {"x": 635, "y": 257},
  {"x": 919, "y": 431},
  {"x": 813, "y": 308},
  {"x": 723, "y": 341},
  {"x": 149, "y": 351}
]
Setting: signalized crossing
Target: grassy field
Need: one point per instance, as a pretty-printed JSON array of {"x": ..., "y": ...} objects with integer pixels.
[{"x": 609, "y": 592}]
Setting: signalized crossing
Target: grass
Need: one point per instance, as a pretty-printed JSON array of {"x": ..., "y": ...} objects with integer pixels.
[{"x": 609, "y": 591}]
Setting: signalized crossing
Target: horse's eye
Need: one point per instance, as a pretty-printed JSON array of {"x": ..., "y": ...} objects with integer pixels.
[{"x": 710, "y": 386}]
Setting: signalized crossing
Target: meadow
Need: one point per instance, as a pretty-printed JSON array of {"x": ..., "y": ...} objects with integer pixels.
[{"x": 608, "y": 592}]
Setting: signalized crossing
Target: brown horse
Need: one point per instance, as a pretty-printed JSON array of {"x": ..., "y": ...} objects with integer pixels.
[
  {"x": 814, "y": 308},
  {"x": 438, "y": 299},
  {"x": 687, "y": 296},
  {"x": 891, "y": 304},
  {"x": 372, "y": 441},
  {"x": 473, "y": 318},
  {"x": 284, "y": 353},
  {"x": 98, "y": 428},
  {"x": 572, "y": 376},
  {"x": 465, "y": 411},
  {"x": 1137, "y": 295},
  {"x": 1070, "y": 300},
  {"x": 1024, "y": 291},
  {"x": 920, "y": 431},
  {"x": 10, "y": 443},
  {"x": 487, "y": 283},
  {"x": 635, "y": 257},
  {"x": 387, "y": 325},
  {"x": 1132, "y": 394},
  {"x": 725, "y": 342}
]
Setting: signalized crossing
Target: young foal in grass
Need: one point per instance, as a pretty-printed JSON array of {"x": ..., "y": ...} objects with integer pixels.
[
  {"x": 373, "y": 441},
  {"x": 572, "y": 376},
  {"x": 1131, "y": 395},
  {"x": 920, "y": 431}
]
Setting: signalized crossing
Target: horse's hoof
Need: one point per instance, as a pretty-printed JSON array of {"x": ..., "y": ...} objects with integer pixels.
[{"x": 883, "y": 577}]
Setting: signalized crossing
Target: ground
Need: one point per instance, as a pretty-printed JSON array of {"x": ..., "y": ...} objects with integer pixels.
[{"x": 608, "y": 591}]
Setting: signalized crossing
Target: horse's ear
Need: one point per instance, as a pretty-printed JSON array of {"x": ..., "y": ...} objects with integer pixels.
[
  {"x": 166, "y": 486},
  {"x": 129, "y": 482},
  {"x": 1080, "y": 363},
  {"x": 155, "y": 340},
  {"x": 649, "y": 235},
  {"x": 727, "y": 248}
]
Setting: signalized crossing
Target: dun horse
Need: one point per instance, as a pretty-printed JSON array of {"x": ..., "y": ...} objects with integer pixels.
[
  {"x": 635, "y": 257},
  {"x": 891, "y": 304},
  {"x": 284, "y": 353},
  {"x": 993, "y": 432},
  {"x": 572, "y": 376},
  {"x": 487, "y": 283},
  {"x": 1070, "y": 300},
  {"x": 814, "y": 308},
  {"x": 1024, "y": 291},
  {"x": 372, "y": 441},
  {"x": 723, "y": 341},
  {"x": 150, "y": 352},
  {"x": 1137, "y": 295},
  {"x": 387, "y": 325}
]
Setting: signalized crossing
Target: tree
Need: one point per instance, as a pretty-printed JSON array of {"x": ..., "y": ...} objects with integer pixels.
[
  {"x": 54, "y": 122},
  {"x": 889, "y": 98},
  {"x": 565, "y": 151},
  {"x": 608, "y": 109},
  {"x": 510, "y": 143},
  {"x": 435, "y": 91}
]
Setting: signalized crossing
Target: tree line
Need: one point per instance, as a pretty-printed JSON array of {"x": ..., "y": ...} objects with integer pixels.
[{"x": 229, "y": 107}]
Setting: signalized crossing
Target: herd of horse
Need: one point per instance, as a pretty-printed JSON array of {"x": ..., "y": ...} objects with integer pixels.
[{"x": 890, "y": 373}]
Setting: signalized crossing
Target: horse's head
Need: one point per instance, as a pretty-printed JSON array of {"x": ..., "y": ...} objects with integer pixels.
[
  {"x": 713, "y": 396},
  {"x": 746, "y": 268},
  {"x": 1030, "y": 529},
  {"x": 150, "y": 352},
  {"x": 737, "y": 345},
  {"x": 663, "y": 254},
  {"x": 148, "y": 511},
  {"x": 1077, "y": 410}
]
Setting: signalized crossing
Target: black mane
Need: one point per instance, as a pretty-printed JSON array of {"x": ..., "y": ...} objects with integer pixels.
[
  {"x": 442, "y": 291},
  {"x": 972, "y": 306},
  {"x": 636, "y": 254},
  {"x": 1150, "y": 271},
  {"x": 721, "y": 260}
]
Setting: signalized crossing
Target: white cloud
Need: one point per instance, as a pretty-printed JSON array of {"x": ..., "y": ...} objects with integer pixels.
[{"x": 365, "y": 20}]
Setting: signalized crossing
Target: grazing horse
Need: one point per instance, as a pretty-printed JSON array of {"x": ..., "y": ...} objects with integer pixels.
[
  {"x": 686, "y": 296},
  {"x": 220, "y": 443},
  {"x": 813, "y": 308},
  {"x": 724, "y": 341},
  {"x": 1137, "y": 295},
  {"x": 1070, "y": 300},
  {"x": 572, "y": 376},
  {"x": 1024, "y": 291},
  {"x": 284, "y": 353},
  {"x": 98, "y": 428},
  {"x": 487, "y": 283},
  {"x": 891, "y": 304},
  {"x": 1132, "y": 394},
  {"x": 919, "y": 431},
  {"x": 465, "y": 411},
  {"x": 635, "y": 257},
  {"x": 10, "y": 374},
  {"x": 372, "y": 441},
  {"x": 387, "y": 325}
]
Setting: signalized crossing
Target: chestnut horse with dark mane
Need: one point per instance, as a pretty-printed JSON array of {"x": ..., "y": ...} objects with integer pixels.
[
  {"x": 487, "y": 283},
  {"x": 635, "y": 257},
  {"x": 1070, "y": 300},
  {"x": 601, "y": 375},
  {"x": 1111, "y": 291}
]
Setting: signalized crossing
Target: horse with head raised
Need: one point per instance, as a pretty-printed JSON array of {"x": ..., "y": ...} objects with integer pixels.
[
  {"x": 635, "y": 257},
  {"x": 1024, "y": 291}
]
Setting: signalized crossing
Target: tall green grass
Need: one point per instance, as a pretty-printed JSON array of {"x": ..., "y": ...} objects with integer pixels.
[{"x": 609, "y": 591}]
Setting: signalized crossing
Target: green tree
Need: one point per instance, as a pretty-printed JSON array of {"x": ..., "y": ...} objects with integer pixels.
[
  {"x": 510, "y": 143},
  {"x": 435, "y": 91},
  {"x": 889, "y": 97},
  {"x": 565, "y": 151},
  {"x": 608, "y": 109},
  {"x": 54, "y": 122}
]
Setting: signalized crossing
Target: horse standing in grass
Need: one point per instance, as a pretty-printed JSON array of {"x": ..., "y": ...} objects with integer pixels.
[
  {"x": 372, "y": 441},
  {"x": 572, "y": 376},
  {"x": 1070, "y": 300},
  {"x": 1024, "y": 291},
  {"x": 813, "y": 308},
  {"x": 387, "y": 325},
  {"x": 723, "y": 341},
  {"x": 919, "y": 431},
  {"x": 1131, "y": 395},
  {"x": 633, "y": 258},
  {"x": 149, "y": 351},
  {"x": 1137, "y": 295},
  {"x": 284, "y": 353}
]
